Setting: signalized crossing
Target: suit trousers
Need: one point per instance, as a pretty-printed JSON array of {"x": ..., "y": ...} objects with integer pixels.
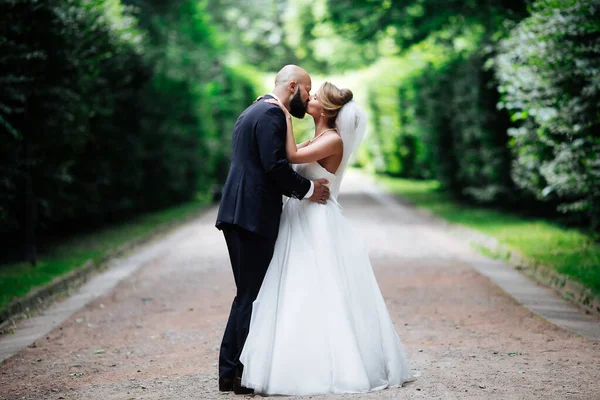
[{"x": 250, "y": 256}]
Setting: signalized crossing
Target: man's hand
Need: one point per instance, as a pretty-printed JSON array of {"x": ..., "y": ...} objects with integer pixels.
[{"x": 321, "y": 193}]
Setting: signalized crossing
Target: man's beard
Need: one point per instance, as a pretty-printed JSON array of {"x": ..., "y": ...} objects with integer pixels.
[{"x": 297, "y": 107}]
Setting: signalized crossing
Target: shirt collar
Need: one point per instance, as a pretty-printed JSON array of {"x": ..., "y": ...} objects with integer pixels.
[{"x": 275, "y": 97}]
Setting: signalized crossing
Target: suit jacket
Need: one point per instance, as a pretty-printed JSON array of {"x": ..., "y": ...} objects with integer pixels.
[{"x": 260, "y": 172}]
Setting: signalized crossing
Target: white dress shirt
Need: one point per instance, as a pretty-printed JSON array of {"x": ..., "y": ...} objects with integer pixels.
[{"x": 311, "y": 190}]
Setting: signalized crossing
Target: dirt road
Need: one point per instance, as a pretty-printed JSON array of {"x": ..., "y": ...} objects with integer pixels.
[{"x": 156, "y": 334}]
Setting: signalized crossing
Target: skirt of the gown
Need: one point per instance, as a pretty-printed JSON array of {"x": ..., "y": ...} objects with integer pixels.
[{"x": 320, "y": 324}]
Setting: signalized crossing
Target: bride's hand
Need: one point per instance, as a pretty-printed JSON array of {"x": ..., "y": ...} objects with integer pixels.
[{"x": 280, "y": 104}]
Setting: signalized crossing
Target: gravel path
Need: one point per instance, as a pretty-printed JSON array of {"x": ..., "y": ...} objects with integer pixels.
[{"x": 156, "y": 334}]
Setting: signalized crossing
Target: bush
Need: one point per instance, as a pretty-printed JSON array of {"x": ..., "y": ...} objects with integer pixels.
[
  {"x": 103, "y": 117},
  {"x": 395, "y": 144},
  {"x": 464, "y": 130},
  {"x": 70, "y": 74},
  {"x": 434, "y": 116},
  {"x": 549, "y": 70}
]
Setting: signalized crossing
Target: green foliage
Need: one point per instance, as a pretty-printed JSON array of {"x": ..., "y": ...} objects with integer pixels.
[
  {"x": 410, "y": 22},
  {"x": 505, "y": 121},
  {"x": 434, "y": 115},
  {"x": 499, "y": 111},
  {"x": 464, "y": 131},
  {"x": 549, "y": 69},
  {"x": 113, "y": 107},
  {"x": 271, "y": 33},
  {"x": 107, "y": 111},
  {"x": 395, "y": 143},
  {"x": 317, "y": 45},
  {"x": 253, "y": 31},
  {"x": 434, "y": 106},
  {"x": 70, "y": 68}
]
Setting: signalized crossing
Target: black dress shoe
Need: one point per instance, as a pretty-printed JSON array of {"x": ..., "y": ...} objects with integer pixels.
[
  {"x": 238, "y": 388},
  {"x": 225, "y": 384}
]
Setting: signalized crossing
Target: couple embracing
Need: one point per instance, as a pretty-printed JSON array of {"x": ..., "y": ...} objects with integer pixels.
[{"x": 308, "y": 316}]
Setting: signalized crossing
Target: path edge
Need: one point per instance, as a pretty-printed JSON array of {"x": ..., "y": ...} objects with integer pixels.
[
  {"x": 43, "y": 296},
  {"x": 567, "y": 288}
]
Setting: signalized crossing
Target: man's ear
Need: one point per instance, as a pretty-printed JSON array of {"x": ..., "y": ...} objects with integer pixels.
[{"x": 293, "y": 86}]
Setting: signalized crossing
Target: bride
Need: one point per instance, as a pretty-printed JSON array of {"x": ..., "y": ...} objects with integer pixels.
[{"x": 320, "y": 324}]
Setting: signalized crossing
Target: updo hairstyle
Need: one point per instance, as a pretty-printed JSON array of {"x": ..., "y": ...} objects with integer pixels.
[{"x": 332, "y": 99}]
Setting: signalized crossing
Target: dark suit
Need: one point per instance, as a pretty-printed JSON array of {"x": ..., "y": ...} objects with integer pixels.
[{"x": 249, "y": 214}]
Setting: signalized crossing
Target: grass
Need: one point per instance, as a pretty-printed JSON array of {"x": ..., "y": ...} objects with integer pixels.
[
  {"x": 565, "y": 250},
  {"x": 16, "y": 280}
]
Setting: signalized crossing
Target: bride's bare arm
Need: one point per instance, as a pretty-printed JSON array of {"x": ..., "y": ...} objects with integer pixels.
[
  {"x": 298, "y": 154},
  {"x": 324, "y": 147},
  {"x": 291, "y": 148},
  {"x": 303, "y": 144}
]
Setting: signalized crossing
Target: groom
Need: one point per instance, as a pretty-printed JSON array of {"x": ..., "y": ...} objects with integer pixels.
[{"x": 251, "y": 205}]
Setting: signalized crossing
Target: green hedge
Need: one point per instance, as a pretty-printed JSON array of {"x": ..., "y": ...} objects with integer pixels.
[
  {"x": 435, "y": 116},
  {"x": 502, "y": 108},
  {"x": 549, "y": 69},
  {"x": 396, "y": 143},
  {"x": 465, "y": 132},
  {"x": 107, "y": 111}
]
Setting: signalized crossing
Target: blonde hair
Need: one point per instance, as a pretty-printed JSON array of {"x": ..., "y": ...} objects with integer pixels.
[{"x": 332, "y": 99}]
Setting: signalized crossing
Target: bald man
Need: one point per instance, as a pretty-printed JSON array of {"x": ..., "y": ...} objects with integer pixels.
[{"x": 251, "y": 206}]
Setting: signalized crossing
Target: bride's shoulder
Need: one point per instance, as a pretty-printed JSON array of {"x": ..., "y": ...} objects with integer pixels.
[{"x": 333, "y": 138}]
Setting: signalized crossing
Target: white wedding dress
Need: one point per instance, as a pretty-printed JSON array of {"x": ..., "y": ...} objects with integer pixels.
[{"x": 320, "y": 324}]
